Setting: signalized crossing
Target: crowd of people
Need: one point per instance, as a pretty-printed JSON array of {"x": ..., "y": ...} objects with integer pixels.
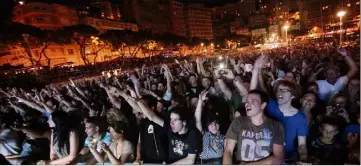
[{"x": 291, "y": 105}]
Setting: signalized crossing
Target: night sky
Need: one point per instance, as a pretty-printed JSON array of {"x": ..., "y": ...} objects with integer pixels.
[{"x": 7, "y": 5}]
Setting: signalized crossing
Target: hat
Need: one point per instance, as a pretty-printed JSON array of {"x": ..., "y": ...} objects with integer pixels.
[{"x": 354, "y": 128}]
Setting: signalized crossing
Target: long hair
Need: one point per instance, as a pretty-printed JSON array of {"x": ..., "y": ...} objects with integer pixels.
[{"x": 63, "y": 126}]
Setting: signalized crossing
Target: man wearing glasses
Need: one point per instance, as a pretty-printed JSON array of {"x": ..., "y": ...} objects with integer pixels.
[{"x": 293, "y": 120}]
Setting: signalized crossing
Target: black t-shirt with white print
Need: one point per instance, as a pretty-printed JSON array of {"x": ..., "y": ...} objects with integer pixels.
[{"x": 182, "y": 145}]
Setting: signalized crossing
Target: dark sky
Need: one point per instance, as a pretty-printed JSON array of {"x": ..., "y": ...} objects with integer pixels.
[{"x": 7, "y": 5}]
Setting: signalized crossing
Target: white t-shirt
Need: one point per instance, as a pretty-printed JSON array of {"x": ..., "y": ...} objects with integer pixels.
[{"x": 325, "y": 89}]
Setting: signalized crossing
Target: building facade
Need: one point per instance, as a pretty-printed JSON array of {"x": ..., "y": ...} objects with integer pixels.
[
  {"x": 106, "y": 9},
  {"x": 103, "y": 24},
  {"x": 152, "y": 15},
  {"x": 198, "y": 21},
  {"x": 45, "y": 16},
  {"x": 177, "y": 18}
]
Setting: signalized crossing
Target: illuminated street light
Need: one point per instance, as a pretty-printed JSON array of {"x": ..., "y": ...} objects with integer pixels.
[
  {"x": 21, "y": 2},
  {"x": 202, "y": 44},
  {"x": 286, "y": 28},
  {"x": 273, "y": 37},
  {"x": 341, "y": 14},
  {"x": 212, "y": 44}
]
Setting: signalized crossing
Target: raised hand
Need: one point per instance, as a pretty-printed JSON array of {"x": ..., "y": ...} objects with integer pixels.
[
  {"x": 203, "y": 95},
  {"x": 261, "y": 61},
  {"x": 72, "y": 83},
  {"x": 237, "y": 80},
  {"x": 342, "y": 51},
  {"x": 227, "y": 73}
]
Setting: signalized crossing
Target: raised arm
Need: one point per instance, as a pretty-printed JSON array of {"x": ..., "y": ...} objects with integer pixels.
[
  {"x": 80, "y": 91},
  {"x": 115, "y": 101},
  {"x": 261, "y": 83},
  {"x": 350, "y": 63},
  {"x": 243, "y": 91},
  {"x": 258, "y": 65},
  {"x": 313, "y": 77},
  {"x": 150, "y": 114},
  {"x": 223, "y": 86},
  {"x": 31, "y": 104},
  {"x": 199, "y": 110},
  {"x": 168, "y": 77}
]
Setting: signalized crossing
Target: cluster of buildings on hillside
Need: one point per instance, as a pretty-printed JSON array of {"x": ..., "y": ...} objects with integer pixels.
[{"x": 257, "y": 19}]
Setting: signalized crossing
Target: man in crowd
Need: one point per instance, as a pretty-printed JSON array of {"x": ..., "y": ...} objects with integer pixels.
[
  {"x": 184, "y": 140},
  {"x": 259, "y": 139},
  {"x": 334, "y": 83},
  {"x": 96, "y": 129}
]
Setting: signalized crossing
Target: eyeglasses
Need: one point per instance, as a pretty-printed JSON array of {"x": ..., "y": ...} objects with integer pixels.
[{"x": 283, "y": 90}]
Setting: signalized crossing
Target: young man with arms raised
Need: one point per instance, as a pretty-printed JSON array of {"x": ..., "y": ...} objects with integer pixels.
[
  {"x": 184, "y": 140},
  {"x": 294, "y": 121}
]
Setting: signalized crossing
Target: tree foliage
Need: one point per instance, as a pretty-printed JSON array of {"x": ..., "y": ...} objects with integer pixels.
[{"x": 80, "y": 34}]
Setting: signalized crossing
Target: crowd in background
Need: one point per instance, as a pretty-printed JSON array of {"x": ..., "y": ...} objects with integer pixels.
[{"x": 290, "y": 105}]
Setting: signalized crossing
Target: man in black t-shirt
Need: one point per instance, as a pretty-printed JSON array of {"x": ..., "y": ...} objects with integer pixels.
[
  {"x": 184, "y": 141},
  {"x": 153, "y": 142}
]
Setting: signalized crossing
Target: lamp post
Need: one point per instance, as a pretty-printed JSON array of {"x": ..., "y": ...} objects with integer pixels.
[
  {"x": 286, "y": 28},
  {"x": 341, "y": 14}
]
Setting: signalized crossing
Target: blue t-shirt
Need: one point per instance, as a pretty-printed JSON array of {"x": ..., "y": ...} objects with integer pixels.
[
  {"x": 107, "y": 139},
  {"x": 294, "y": 126}
]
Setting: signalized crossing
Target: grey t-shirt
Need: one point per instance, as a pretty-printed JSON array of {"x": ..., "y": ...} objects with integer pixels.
[{"x": 255, "y": 142}]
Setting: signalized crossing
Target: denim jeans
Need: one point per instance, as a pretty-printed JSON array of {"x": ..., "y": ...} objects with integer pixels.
[{"x": 215, "y": 161}]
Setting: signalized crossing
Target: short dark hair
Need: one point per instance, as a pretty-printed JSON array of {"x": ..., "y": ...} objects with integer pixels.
[
  {"x": 184, "y": 114},
  {"x": 309, "y": 92},
  {"x": 262, "y": 95},
  {"x": 331, "y": 120},
  {"x": 99, "y": 122}
]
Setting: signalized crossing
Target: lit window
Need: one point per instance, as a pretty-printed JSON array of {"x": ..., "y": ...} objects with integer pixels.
[
  {"x": 70, "y": 52},
  {"x": 39, "y": 19}
]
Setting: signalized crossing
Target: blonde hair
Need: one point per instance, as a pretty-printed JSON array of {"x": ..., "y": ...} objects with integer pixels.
[{"x": 116, "y": 115}]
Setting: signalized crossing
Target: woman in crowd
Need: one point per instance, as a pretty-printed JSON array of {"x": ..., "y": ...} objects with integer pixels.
[
  {"x": 119, "y": 151},
  {"x": 65, "y": 143}
]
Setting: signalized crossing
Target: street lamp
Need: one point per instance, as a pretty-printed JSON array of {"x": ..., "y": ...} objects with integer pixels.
[
  {"x": 202, "y": 44},
  {"x": 341, "y": 14},
  {"x": 286, "y": 28},
  {"x": 273, "y": 37}
]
